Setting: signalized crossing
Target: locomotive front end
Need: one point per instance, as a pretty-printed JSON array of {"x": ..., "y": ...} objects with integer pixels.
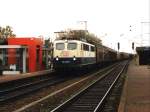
[{"x": 65, "y": 55}]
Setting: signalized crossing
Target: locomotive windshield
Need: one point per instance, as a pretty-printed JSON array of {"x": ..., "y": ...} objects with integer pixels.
[
  {"x": 60, "y": 46},
  {"x": 72, "y": 46}
]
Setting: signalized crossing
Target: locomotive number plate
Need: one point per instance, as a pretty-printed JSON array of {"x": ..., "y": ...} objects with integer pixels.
[{"x": 65, "y": 61}]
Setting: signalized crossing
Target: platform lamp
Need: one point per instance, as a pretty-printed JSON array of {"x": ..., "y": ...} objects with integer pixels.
[
  {"x": 132, "y": 45},
  {"x": 118, "y": 45}
]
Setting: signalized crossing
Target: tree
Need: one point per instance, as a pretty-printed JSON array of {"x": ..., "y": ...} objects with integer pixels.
[{"x": 6, "y": 32}]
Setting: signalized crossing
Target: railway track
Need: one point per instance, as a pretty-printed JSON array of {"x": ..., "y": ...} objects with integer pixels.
[
  {"x": 92, "y": 98},
  {"x": 25, "y": 88},
  {"x": 17, "y": 91}
]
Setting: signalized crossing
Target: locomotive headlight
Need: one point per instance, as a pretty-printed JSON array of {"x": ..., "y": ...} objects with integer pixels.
[
  {"x": 57, "y": 58},
  {"x": 74, "y": 58}
]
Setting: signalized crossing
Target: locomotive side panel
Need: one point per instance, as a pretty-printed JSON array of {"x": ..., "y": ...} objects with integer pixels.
[{"x": 88, "y": 56}]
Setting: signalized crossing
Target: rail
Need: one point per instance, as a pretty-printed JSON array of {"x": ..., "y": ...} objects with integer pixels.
[{"x": 92, "y": 97}]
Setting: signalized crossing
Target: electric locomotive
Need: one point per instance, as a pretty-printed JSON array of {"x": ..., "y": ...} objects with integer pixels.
[{"x": 72, "y": 54}]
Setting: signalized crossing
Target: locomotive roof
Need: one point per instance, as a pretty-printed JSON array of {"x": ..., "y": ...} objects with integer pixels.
[{"x": 73, "y": 41}]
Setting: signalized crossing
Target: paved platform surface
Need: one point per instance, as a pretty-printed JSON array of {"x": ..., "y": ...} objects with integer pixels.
[
  {"x": 7, "y": 78},
  {"x": 136, "y": 92}
]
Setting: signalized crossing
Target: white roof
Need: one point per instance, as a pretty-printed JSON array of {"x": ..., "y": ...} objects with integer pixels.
[{"x": 12, "y": 46}]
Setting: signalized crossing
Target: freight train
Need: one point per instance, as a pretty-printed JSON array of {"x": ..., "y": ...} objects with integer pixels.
[{"x": 74, "y": 54}]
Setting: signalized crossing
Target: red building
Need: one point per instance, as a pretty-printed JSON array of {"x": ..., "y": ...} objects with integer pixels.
[{"x": 34, "y": 52}]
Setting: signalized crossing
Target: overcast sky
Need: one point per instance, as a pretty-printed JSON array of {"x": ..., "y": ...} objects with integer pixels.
[{"x": 110, "y": 19}]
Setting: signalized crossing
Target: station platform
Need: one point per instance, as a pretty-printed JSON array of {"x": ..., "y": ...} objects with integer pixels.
[
  {"x": 136, "y": 91},
  {"x": 13, "y": 77}
]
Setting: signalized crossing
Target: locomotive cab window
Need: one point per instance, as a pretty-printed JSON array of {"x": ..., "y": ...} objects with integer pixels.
[
  {"x": 60, "y": 46},
  {"x": 92, "y": 48},
  {"x": 85, "y": 47},
  {"x": 72, "y": 46}
]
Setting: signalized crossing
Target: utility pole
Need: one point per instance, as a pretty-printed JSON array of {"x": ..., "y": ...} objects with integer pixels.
[
  {"x": 85, "y": 24},
  {"x": 118, "y": 54}
]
